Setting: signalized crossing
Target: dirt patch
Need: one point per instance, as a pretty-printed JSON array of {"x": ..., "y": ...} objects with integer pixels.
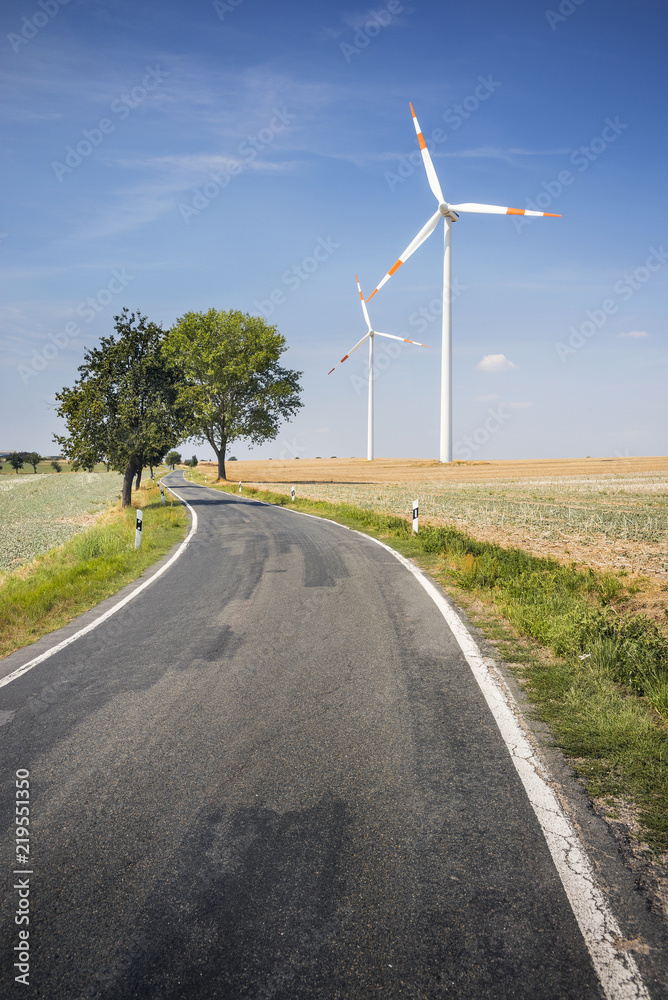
[{"x": 650, "y": 870}]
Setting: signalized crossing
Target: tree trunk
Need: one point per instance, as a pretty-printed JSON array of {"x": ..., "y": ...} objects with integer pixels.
[
  {"x": 126, "y": 492},
  {"x": 139, "y": 472},
  {"x": 220, "y": 455}
]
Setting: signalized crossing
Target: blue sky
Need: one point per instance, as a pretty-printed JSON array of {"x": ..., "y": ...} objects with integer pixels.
[{"x": 172, "y": 156}]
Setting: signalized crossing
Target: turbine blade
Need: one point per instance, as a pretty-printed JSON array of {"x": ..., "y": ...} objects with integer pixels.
[
  {"x": 428, "y": 165},
  {"x": 404, "y": 339},
  {"x": 498, "y": 210},
  {"x": 364, "y": 308},
  {"x": 351, "y": 351},
  {"x": 426, "y": 231}
]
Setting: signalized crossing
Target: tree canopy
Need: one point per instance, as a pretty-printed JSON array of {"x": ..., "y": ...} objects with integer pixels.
[
  {"x": 232, "y": 383},
  {"x": 124, "y": 408},
  {"x": 15, "y": 459}
]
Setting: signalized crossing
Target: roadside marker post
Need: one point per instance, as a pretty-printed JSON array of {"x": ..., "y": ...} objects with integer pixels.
[
  {"x": 140, "y": 517},
  {"x": 415, "y": 516},
  {"x": 293, "y": 492},
  {"x": 240, "y": 486},
  {"x": 162, "y": 493}
]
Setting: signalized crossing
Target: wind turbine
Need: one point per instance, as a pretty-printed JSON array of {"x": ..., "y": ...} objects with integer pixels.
[
  {"x": 450, "y": 214},
  {"x": 369, "y": 335}
]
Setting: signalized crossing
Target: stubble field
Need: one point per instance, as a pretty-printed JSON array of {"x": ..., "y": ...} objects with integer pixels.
[{"x": 608, "y": 513}]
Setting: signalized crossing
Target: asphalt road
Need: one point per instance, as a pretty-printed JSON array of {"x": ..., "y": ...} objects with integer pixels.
[{"x": 272, "y": 775}]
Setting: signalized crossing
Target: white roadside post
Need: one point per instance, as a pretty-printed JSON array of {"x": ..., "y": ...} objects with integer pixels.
[
  {"x": 415, "y": 516},
  {"x": 140, "y": 517},
  {"x": 240, "y": 486},
  {"x": 292, "y": 492},
  {"x": 162, "y": 493}
]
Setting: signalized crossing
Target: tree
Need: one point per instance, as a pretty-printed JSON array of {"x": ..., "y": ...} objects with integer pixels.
[
  {"x": 56, "y": 466},
  {"x": 232, "y": 382},
  {"x": 173, "y": 458},
  {"x": 123, "y": 410},
  {"x": 34, "y": 458},
  {"x": 15, "y": 459}
]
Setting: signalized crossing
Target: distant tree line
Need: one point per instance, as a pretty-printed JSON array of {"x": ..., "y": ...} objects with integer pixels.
[
  {"x": 18, "y": 459},
  {"x": 213, "y": 377}
]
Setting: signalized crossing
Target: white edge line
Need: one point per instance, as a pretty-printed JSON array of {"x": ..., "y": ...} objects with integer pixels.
[
  {"x": 112, "y": 611},
  {"x": 616, "y": 969}
]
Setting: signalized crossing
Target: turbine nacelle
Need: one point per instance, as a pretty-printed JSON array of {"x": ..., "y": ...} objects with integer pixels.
[{"x": 447, "y": 212}]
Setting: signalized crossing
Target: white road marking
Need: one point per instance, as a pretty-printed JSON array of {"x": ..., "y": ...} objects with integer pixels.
[{"x": 112, "y": 611}]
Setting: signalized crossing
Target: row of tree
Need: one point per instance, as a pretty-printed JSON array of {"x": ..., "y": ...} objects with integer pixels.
[
  {"x": 213, "y": 377},
  {"x": 17, "y": 459}
]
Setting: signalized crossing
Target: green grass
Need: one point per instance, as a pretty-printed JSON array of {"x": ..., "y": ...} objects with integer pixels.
[
  {"x": 599, "y": 679},
  {"x": 45, "y": 468},
  {"x": 71, "y": 579}
]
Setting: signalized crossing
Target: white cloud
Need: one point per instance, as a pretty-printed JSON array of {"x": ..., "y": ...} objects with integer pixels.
[
  {"x": 634, "y": 333},
  {"x": 496, "y": 363}
]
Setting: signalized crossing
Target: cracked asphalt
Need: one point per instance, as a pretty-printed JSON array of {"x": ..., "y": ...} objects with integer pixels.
[{"x": 273, "y": 775}]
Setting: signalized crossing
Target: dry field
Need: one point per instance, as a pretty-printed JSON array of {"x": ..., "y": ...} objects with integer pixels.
[{"x": 609, "y": 513}]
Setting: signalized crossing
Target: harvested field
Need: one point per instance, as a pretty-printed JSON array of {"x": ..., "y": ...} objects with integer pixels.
[
  {"x": 38, "y": 512},
  {"x": 611, "y": 514}
]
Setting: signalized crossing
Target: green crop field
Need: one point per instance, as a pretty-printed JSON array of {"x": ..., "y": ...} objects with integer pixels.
[{"x": 38, "y": 512}]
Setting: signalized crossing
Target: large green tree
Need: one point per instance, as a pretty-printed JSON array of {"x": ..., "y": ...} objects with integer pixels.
[
  {"x": 232, "y": 381},
  {"x": 124, "y": 409}
]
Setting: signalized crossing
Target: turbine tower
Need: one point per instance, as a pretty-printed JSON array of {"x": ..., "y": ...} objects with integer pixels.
[{"x": 370, "y": 334}]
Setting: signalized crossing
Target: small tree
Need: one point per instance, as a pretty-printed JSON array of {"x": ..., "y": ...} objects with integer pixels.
[
  {"x": 193, "y": 462},
  {"x": 56, "y": 466},
  {"x": 173, "y": 458},
  {"x": 34, "y": 458},
  {"x": 15, "y": 459}
]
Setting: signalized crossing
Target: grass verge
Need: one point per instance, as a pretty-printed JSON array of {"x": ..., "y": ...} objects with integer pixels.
[
  {"x": 597, "y": 676},
  {"x": 71, "y": 579}
]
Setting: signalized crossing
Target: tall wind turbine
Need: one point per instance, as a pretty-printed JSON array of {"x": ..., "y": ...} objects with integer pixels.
[
  {"x": 450, "y": 214},
  {"x": 369, "y": 335}
]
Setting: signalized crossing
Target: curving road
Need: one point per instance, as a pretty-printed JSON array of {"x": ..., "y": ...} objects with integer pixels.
[{"x": 273, "y": 775}]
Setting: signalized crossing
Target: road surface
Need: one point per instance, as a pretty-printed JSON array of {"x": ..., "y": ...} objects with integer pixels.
[{"x": 273, "y": 775}]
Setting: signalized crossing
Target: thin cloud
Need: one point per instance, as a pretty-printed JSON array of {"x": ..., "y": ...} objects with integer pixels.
[
  {"x": 634, "y": 333},
  {"x": 495, "y": 363}
]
